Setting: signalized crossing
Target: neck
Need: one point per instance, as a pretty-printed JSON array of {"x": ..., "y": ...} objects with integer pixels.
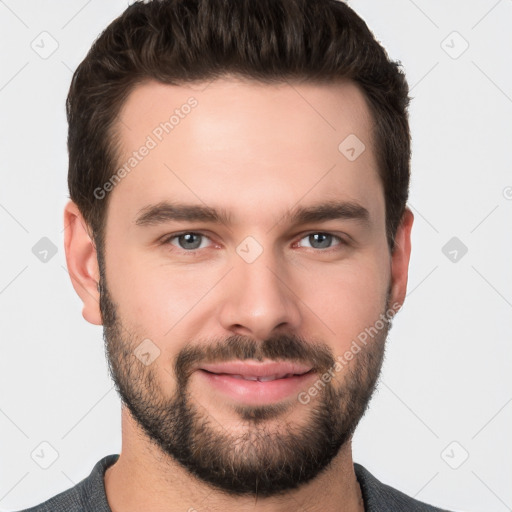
[{"x": 144, "y": 478}]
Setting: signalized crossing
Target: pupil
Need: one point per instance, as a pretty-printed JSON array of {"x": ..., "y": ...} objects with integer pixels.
[
  {"x": 189, "y": 243},
  {"x": 322, "y": 240}
]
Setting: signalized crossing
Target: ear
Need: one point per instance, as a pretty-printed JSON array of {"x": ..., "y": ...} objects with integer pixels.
[
  {"x": 82, "y": 262},
  {"x": 400, "y": 258}
]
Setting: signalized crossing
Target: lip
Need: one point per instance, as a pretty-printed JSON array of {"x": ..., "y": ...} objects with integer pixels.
[
  {"x": 232, "y": 380},
  {"x": 254, "y": 369}
]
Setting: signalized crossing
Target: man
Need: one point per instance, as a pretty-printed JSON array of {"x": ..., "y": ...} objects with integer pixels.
[{"x": 238, "y": 177}]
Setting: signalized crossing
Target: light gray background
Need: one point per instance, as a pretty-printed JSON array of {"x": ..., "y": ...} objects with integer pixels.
[{"x": 445, "y": 390}]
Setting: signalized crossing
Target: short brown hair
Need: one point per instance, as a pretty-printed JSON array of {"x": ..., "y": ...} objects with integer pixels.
[{"x": 269, "y": 41}]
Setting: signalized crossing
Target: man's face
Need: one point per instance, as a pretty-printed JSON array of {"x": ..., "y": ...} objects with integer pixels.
[{"x": 295, "y": 270}]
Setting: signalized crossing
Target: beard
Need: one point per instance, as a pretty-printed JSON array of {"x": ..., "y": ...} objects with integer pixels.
[{"x": 265, "y": 458}]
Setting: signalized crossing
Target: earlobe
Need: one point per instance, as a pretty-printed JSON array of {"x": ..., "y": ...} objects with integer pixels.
[
  {"x": 82, "y": 262},
  {"x": 400, "y": 259}
]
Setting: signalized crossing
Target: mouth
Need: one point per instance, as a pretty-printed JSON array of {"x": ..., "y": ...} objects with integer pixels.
[
  {"x": 260, "y": 378},
  {"x": 255, "y": 383}
]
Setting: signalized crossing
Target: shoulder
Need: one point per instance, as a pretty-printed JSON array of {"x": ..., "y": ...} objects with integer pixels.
[
  {"x": 87, "y": 495},
  {"x": 379, "y": 497}
]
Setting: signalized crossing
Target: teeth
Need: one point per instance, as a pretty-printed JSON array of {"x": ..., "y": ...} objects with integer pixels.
[
  {"x": 263, "y": 379},
  {"x": 249, "y": 377}
]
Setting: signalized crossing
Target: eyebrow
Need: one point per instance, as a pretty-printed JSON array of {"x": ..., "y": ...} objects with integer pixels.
[
  {"x": 166, "y": 211},
  {"x": 331, "y": 210}
]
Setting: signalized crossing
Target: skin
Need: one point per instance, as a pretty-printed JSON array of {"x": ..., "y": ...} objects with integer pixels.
[{"x": 258, "y": 151}]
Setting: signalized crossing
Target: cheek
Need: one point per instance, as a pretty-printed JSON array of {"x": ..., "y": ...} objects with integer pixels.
[
  {"x": 347, "y": 299},
  {"x": 152, "y": 299},
  {"x": 337, "y": 300}
]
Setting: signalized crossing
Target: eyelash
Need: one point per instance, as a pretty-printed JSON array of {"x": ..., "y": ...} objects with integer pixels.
[{"x": 167, "y": 240}]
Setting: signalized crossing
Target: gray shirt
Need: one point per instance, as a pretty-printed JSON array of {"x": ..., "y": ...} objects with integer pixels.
[{"x": 89, "y": 494}]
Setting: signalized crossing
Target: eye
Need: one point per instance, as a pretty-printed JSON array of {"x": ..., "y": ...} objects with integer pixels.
[
  {"x": 189, "y": 241},
  {"x": 321, "y": 240}
]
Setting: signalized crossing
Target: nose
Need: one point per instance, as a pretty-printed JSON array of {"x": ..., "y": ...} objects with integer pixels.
[{"x": 259, "y": 300}]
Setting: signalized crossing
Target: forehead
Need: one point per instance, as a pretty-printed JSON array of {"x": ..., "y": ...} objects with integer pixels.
[
  {"x": 269, "y": 113},
  {"x": 239, "y": 143}
]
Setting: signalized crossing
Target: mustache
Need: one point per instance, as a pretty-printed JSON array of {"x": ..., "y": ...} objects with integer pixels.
[{"x": 282, "y": 347}]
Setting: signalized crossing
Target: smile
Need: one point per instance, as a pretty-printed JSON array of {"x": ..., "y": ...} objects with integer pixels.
[
  {"x": 261, "y": 378},
  {"x": 256, "y": 383}
]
